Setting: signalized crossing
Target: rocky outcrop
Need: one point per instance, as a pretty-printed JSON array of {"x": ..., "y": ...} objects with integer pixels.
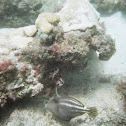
[
  {"x": 17, "y": 13},
  {"x": 24, "y": 12},
  {"x": 13, "y": 71},
  {"x": 36, "y": 58},
  {"x": 109, "y": 6}
]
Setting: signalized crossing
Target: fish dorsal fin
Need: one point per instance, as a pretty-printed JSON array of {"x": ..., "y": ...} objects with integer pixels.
[
  {"x": 57, "y": 95},
  {"x": 69, "y": 100}
]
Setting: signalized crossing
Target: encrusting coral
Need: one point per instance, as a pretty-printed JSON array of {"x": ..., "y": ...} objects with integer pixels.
[{"x": 45, "y": 22}]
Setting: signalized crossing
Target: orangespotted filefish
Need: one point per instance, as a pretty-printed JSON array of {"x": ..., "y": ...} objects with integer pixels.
[{"x": 67, "y": 108}]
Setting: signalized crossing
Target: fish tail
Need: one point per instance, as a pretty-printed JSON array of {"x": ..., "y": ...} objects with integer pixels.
[{"x": 92, "y": 112}]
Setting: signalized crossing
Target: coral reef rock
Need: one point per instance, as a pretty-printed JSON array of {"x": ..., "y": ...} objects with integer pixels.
[
  {"x": 18, "y": 13},
  {"x": 86, "y": 21},
  {"x": 33, "y": 59},
  {"x": 84, "y": 17},
  {"x": 71, "y": 54},
  {"x": 14, "y": 72}
]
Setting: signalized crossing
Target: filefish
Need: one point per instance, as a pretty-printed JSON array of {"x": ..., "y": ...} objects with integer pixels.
[{"x": 67, "y": 108}]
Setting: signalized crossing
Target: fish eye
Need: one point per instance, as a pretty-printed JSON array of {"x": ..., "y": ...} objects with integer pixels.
[{"x": 55, "y": 100}]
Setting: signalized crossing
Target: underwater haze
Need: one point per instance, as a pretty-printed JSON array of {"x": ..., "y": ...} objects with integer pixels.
[{"x": 62, "y": 63}]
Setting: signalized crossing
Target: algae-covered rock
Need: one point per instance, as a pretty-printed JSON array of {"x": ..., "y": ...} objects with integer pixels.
[
  {"x": 86, "y": 21},
  {"x": 60, "y": 58},
  {"x": 40, "y": 56},
  {"x": 19, "y": 13},
  {"x": 84, "y": 17},
  {"x": 56, "y": 57},
  {"x": 17, "y": 78},
  {"x": 45, "y": 22}
]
